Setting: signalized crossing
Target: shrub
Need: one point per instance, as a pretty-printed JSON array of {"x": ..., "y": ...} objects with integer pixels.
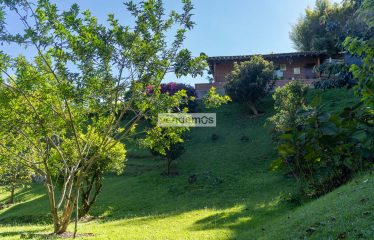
[
  {"x": 325, "y": 150},
  {"x": 334, "y": 75},
  {"x": 250, "y": 81},
  {"x": 288, "y": 100},
  {"x": 13, "y": 175},
  {"x": 214, "y": 100}
]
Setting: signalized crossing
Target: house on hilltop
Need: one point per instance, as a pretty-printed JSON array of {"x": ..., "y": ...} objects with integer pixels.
[{"x": 289, "y": 66}]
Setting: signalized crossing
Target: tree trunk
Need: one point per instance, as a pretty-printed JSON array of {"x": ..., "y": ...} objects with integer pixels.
[
  {"x": 52, "y": 203},
  {"x": 168, "y": 165},
  {"x": 89, "y": 195},
  {"x": 253, "y": 108},
  {"x": 68, "y": 209},
  {"x": 12, "y": 190},
  {"x": 66, "y": 216},
  {"x": 61, "y": 222},
  {"x": 12, "y": 187}
]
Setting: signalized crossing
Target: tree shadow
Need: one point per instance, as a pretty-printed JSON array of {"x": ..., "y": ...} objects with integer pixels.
[
  {"x": 26, "y": 211},
  {"x": 248, "y": 218},
  {"x": 17, "y": 233},
  {"x": 233, "y": 178}
]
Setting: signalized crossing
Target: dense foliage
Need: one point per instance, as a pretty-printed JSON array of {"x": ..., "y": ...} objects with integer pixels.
[
  {"x": 333, "y": 75},
  {"x": 214, "y": 100},
  {"x": 249, "y": 81},
  {"x": 364, "y": 48},
  {"x": 172, "y": 88},
  {"x": 325, "y": 150},
  {"x": 67, "y": 108},
  {"x": 13, "y": 175},
  {"x": 288, "y": 100},
  {"x": 325, "y": 27}
]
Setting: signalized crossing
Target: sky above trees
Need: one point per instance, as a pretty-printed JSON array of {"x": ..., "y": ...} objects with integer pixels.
[{"x": 223, "y": 27}]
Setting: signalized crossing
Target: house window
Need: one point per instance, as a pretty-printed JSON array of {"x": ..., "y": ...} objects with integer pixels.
[
  {"x": 278, "y": 74},
  {"x": 283, "y": 67},
  {"x": 296, "y": 70}
]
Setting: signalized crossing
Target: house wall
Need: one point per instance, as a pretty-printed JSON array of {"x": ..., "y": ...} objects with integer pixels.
[
  {"x": 203, "y": 88},
  {"x": 306, "y": 65},
  {"x": 221, "y": 70}
]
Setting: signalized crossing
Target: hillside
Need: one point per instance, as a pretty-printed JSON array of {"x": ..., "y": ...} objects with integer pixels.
[{"x": 235, "y": 196}]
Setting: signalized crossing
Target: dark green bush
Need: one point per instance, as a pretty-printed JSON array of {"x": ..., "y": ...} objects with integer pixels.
[
  {"x": 250, "y": 81},
  {"x": 321, "y": 150},
  {"x": 288, "y": 100},
  {"x": 326, "y": 150},
  {"x": 334, "y": 75}
]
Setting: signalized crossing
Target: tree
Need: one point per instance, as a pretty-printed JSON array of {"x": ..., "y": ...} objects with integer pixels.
[
  {"x": 250, "y": 81},
  {"x": 325, "y": 150},
  {"x": 365, "y": 50},
  {"x": 172, "y": 152},
  {"x": 70, "y": 104},
  {"x": 91, "y": 187},
  {"x": 168, "y": 141},
  {"x": 325, "y": 27},
  {"x": 13, "y": 174},
  {"x": 172, "y": 87}
]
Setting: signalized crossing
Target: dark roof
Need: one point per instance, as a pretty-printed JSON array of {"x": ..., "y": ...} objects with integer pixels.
[{"x": 219, "y": 59}]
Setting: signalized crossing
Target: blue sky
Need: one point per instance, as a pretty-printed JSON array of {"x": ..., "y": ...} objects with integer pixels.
[{"x": 223, "y": 27}]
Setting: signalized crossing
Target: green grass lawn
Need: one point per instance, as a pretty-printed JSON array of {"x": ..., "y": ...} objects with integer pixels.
[{"x": 236, "y": 195}]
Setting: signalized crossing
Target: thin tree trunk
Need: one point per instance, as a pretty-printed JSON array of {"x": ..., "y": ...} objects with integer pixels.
[
  {"x": 12, "y": 190},
  {"x": 88, "y": 197},
  {"x": 69, "y": 207},
  {"x": 253, "y": 108},
  {"x": 52, "y": 203},
  {"x": 76, "y": 216},
  {"x": 168, "y": 165}
]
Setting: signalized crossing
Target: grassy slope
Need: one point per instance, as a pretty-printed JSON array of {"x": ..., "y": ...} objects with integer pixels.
[{"x": 235, "y": 196}]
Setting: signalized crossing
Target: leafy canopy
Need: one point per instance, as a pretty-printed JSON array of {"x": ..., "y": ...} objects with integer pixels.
[
  {"x": 325, "y": 27},
  {"x": 250, "y": 80},
  {"x": 85, "y": 88}
]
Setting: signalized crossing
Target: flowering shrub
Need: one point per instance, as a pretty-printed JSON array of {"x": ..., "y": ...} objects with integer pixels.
[{"x": 172, "y": 87}]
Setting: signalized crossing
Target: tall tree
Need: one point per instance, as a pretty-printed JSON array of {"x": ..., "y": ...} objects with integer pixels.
[
  {"x": 325, "y": 27},
  {"x": 85, "y": 88},
  {"x": 13, "y": 174},
  {"x": 364, "y": 48}
]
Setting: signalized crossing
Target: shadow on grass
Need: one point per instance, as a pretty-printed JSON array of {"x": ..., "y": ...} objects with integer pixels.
[
  {"x": 17, "y": 233},
  {"x": 229, "y": 173},
  {"x": 247, "y": 217},
  {"x": 35, "y": 211}
]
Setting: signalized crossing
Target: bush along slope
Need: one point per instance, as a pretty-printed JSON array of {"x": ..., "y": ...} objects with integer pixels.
[{"x": 322, "y": 150}]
